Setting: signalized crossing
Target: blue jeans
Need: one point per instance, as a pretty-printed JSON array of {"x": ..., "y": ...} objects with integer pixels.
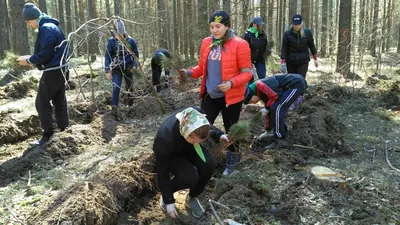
[
  {"x": 117, "y": 83},
  {"x": 261, "y": 69}
]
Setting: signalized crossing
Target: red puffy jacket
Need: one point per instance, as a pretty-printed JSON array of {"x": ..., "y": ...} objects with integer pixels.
[{"x": 235, "y": 66}]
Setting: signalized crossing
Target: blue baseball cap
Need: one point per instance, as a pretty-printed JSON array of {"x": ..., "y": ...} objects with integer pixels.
[
  {"x": 258, "y": 20},
  {"x": 297, "y": 19}
]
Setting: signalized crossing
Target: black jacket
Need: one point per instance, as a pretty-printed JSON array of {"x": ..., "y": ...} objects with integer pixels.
[
  {"x": 167, "y": 143},
  {"x": 257, "y": 45},
  {"x": 295, "y": 49}
]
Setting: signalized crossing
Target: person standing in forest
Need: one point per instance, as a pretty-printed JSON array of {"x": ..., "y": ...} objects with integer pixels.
[
  {"x": 297, "y": 42},
  {"x": 157, "y": 64},
  {"x": 257, "y": 39},
  {"x": 225, "y": 66},
  {"x": 119, "y": 63},
  {"x": 50, "y": 57}
]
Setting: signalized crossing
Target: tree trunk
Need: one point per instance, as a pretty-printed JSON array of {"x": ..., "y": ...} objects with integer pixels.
[
  {"x": 227, "y": 6},
  {"x": 176, "y": 27},
  {"x": 361, "y": 25},
  {"x": 42, "y": 6},
  {"x": 69, "y": 16},
  {"x": 292, "y": 8},
  {"x": 192, "y": 16},
  {"x": 398, "y": 39},
  {"x": 76, "y": 15},
  {"x": 324, "y": 28},
  {"x": 81, "y": 11},
  {"x": 384, "y": 23},
  {"x": 61, "y": 14},
  {"x": 317, "y": 23},
  {"x": 162, "y": 28},
  {"x": 263, "y": 10},
  {"x": 185, "y": 27},
  {"x": 202, "y": 22},
  {"x": 375, "y": 28},
  {"x": 92, "y": 41},
  {"x": 54, "y": 9},
  {"x": 236, "y": 12},
  {"x": 245, "y": 21},
  {"x": 5, "y": 34},
  {"x": 270, "y": 19},
  {"x": 108, "y": 9},
  {"x": 305, "y": 12},
  {"x": 343, "y": 62},
  {"x": 116, "y": 7},
  {"x": 392, "y": 7},
  {"x": 19, "y": 34}
]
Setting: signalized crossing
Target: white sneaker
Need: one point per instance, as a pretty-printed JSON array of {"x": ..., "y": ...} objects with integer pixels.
[{"x": 227, "y": 172}]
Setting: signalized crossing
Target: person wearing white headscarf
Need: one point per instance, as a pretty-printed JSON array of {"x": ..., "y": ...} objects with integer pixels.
[{"x": 178, "y": 152}]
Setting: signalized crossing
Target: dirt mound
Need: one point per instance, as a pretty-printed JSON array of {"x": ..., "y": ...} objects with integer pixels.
[
  {"x": 98, "y": 202},
  {"x": 129, "y": 180},
  {"x": 391, "y": 97},
  {"x": 318, "y": 130},
  {"x": 12, "y": 131},
  {"x": 86, "y": 203},
  {"x": 21, "y": 88},
  {"x": 82, "y": 113}
]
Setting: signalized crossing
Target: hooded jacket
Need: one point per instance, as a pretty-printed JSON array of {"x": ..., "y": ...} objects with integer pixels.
[
  {"x": 46, "y": 54},
  {"x": 117, "y": 56}
]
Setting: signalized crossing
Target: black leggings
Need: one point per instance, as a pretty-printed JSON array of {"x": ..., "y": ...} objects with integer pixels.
[
  {"x": 190, "y": 171},
  {"x": 299, "y": 69},
  {"x": 230, "y": 114}
]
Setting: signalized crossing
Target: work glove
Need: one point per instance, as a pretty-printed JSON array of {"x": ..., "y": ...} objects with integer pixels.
[
  {"x": 316, "y": 63},
  {"x": 265, "y": 135},
  {"x": 264, "y": 112},
  {"x": 283, "y": 68},
  {"x": 171, "y": 210}
]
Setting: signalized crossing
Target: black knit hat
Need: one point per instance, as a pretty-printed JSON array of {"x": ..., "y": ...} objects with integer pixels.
[
  {"x": 30, "y": 12},
  {"x": 220, "y": 17}
]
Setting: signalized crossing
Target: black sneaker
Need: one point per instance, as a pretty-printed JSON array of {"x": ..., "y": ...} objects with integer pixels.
[{"x": 40, "y": 142}]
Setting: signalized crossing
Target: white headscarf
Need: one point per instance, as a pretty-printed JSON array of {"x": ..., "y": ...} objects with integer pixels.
[{"x": 189, "y": 120}]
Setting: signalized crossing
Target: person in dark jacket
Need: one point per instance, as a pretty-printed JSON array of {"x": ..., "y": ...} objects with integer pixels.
[
  {"x": 119, "y": 63},
  {"x": 50, "y": 56},
  {"x": 157, "y": 64},
  {"x": 296, "y": 44},
  {"x": 278, "y": 93},
  {"x": 258, "y": 42},
  {"x": 179, "y": 153}
]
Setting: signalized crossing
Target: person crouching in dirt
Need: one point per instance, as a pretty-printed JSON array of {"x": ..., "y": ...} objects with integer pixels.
[
  {"x": 157, "y": 63},
  {"x": 278, "y": 93},
  {"x": 50, "y": 57},
  {"x": 179, "y": 153},
  {"x": 119, "y": 63},
  {"x": 225, "y": 68}
]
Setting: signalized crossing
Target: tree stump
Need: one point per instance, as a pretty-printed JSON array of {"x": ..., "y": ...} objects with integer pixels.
[{"x": 326, "y": 177}]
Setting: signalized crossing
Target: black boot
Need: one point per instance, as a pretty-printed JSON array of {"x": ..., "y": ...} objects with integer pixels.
[{"x": 41, "y": 142}]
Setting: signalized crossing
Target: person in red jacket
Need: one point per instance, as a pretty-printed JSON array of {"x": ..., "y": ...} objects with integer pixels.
[{"x": 225, "y": 68}]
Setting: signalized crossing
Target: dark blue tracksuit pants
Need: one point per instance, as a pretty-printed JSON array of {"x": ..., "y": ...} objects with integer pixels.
[{"x": 279, "y": 108}]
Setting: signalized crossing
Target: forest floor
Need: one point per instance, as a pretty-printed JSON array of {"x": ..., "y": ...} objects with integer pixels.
[{"x": 102, "y": 172}]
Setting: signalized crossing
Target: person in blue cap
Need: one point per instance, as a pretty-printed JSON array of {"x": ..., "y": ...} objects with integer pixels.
[
  {"x": 278, "y": 93},
  {"x": 119, "y": 63},
  {"x": 49, "y": 56},
  {"x": 157, "y": 64},
  {"x": 297, "y": 42},
  {"x": 258, "y": 42}
]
